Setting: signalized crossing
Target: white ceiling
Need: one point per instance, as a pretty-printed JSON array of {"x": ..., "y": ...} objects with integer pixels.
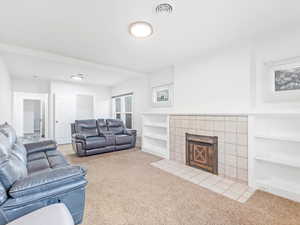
[
  {"x": 97, "y": 30},
  {"x": 28, "y": 66}
]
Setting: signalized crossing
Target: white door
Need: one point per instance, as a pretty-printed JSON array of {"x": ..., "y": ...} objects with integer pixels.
[{"x": 64, "y": 116}]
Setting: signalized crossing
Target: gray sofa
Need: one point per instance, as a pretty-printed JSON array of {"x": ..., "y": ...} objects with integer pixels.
[
  {"x": 91, "y": 137},
  {"x": 35, "y": 175}
]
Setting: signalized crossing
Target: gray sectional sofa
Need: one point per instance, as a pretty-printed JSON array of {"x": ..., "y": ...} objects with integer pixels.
[
  {"x": 36, "y": 175},
  {"x": 91, "y": 137}
]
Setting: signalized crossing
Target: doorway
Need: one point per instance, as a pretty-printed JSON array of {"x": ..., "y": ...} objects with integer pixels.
[
  {"x": 67, "y": 109},
  {"x": 31, "y": 115}
]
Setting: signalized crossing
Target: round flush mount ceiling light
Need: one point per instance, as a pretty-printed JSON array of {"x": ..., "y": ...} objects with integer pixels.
[
  {"x": 78, "y": 77},
  {"x": 140, "y": 29}
]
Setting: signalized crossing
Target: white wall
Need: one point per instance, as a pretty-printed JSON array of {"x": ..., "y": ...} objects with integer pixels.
[
  {"x": 219, "y": 83},
  {"x": 229, "y": 80},
  {"x": 30, "y": 85},
  {"x": 36, "y": 86},
  {"x": 162, "y": 77},
  {"x": 281, "y": 46},
  {"x": 84, "y": 107},
  {"x": 5, "y": 94},
  {"x": 102, "y": 98}
]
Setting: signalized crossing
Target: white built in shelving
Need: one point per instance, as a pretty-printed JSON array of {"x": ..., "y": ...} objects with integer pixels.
[
  {"x": 274, "y": 153},
  {"x": 156, "y": 134}
]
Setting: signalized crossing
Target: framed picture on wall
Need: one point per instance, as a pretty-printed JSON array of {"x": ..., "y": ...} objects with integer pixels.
[
  {"x": 282, "y": 80},
  {"x": 162, "y": 96}
]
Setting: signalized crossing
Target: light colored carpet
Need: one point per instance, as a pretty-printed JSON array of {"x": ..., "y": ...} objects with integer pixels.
[{"x": 124, "y": 189}]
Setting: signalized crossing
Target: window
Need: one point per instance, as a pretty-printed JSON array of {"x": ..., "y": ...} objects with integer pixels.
[{"x": 122, "y": 108}]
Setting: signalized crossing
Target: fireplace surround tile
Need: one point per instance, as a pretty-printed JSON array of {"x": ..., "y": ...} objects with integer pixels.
[
  {"x": 232, "y": 133},
  {"x": 231, "y": 126},
  {"x": 224, "y": 186}
]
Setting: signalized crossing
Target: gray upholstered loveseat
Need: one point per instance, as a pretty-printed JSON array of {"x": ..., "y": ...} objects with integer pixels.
[
  {"x": 36, "y": 175},
  {"x": 91, "y": 137}
]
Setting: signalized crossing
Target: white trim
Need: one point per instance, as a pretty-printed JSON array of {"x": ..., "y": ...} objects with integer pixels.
[
  {"x": 18, "y": 110},
  {"x": 123, "y": 112}
]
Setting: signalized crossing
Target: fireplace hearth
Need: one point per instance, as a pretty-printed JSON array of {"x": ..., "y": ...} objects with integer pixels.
[{"x": 202, "y": 152}]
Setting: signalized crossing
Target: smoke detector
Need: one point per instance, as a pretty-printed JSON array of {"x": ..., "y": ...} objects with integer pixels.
[
  {"x": 164, "y": 8},
  {"x": 78, "y": 77}
]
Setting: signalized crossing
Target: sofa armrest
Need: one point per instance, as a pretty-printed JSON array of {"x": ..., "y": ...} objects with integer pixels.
[
  {"x": 110, "y": 137},
  {"x": 46, "y": 180},
  {"x": 40, "y": 146},
  {"x": 107, "y": 133},
  {"x": 130, "y": 132},
  {"x": 79, "y": 136}
]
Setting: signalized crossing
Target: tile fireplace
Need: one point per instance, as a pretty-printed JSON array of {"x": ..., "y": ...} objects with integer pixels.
[{"x": 232, "y": 133}]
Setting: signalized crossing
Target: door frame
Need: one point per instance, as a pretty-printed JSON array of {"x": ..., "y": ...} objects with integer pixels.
[
  {"x": 74, "y": 112},
  {"x": 18, "y": 110}
]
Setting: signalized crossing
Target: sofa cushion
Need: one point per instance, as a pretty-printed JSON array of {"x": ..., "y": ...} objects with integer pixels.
[
  {"x": 3, "y": 194},
  {"x": 19, "y": 150},
  {"x": 35, "y": 156},
  {"x": 123, "y": 139},
  {"x": 4, "y": 145},
  {"x": 115, "y": 126},
  {"x": 95, "y": 142},
  {"x": 87, "y": 127},
  {"x": 46, "y": 181},
  {"x": 41, "y": 161},
  {"x": 11, "y": 169},
  {"x": 57, "y": 161},
  {"x": 37, "y": 165},
  {"x": 41, "y": 146},
  {"x": 102, "y": 126},
  {"x": 10, "y": 132}
]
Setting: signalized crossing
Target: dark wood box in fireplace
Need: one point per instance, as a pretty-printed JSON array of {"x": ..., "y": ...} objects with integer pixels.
[{"x": 202, "y": 152}]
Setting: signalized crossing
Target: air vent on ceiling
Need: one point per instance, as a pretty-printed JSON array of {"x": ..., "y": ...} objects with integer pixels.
[{"x": 164, "y": 8}]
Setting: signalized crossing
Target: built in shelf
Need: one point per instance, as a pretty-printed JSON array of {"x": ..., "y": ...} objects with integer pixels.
[
  {"x": 278, "y": 137},
  {"x": 279, "y": 160},
  {"x": 280, "y": 187},
  {"x": 155, "y": 150},
  {"x": 156, "y": 136},
  {"x": 160, "y": 125}
]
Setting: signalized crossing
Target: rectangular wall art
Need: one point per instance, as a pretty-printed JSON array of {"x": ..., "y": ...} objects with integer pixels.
[
  {"x": 287, "y": 79},
  {"x": 282, "y": 80},
  {"x": 162, "y": 96}
]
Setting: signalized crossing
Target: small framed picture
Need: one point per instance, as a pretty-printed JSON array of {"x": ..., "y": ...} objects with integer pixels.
[
  {"x": 162, "y": 96},
  {"x": 282, "y": 81}
]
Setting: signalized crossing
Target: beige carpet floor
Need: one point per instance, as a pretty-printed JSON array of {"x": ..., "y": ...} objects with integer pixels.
[{"x": 124, "y": 189}]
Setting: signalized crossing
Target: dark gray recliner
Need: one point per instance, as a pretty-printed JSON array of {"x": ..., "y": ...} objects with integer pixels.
[
  {"x": 124, "y": 138},
  {"x": 36, "y": 175},
  {"x": 91, "y": 137}
]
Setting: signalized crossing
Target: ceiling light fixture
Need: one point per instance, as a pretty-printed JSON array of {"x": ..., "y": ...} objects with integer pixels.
[
  {"x": 77, "y": 77},
  {"x": 140, "y": 29}
]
